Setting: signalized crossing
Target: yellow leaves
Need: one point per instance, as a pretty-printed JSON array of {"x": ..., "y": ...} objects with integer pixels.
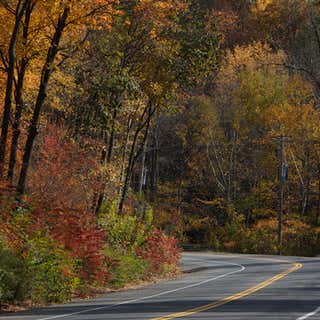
[
  {"x": 251, "y": 57},
  {"x": 299, "y": 91},
  {"x": 159, "y": 12},
  {"x": 298, "y": 122},
  {"x": 95, "y": 13},
  {"x": 6, "y": 23},
  {"x": 84, "y": 15},
  {"x": 262, "y": 94},
  {"x": 2, "y": 83},
  {"x": 156, "y": 88},
  {"x": 261, "y": 5}
]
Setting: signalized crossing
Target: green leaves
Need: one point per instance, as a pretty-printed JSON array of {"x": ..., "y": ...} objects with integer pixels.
[
  {"x": 51, "y": 272},
  {"x": 199, "y": 46},
  {"x": 13, "y": 280}
]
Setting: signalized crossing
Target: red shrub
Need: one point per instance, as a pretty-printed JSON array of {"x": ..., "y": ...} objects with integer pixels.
[
  {"x": 79, "y": 234},
  {"x": 159, "y": 250},
  {"x": 64, "y": 173},
  {"x": 62, "y": 183},
  {"x": 74, "y": 230}
]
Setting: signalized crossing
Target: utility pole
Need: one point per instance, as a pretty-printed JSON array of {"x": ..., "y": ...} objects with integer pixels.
[{"x": 282, "y": 178}]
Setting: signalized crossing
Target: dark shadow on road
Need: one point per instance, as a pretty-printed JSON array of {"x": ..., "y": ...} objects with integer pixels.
[{"x": 168, "y": 307}]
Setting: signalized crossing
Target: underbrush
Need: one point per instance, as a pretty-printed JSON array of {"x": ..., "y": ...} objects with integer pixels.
[
  {"x": 129, "y": 269},
  {"x": 298, "y": 238},
  {"x": 51, "y": 255},
  {"x": 13, "y": 280},
  {"x": 226, "y": 230},
  {"x": 52, "y": 246},
  {"x": 139, "y": 251}
]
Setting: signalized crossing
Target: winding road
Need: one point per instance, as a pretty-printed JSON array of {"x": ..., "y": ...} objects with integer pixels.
[{"x": 214, "y": 286}]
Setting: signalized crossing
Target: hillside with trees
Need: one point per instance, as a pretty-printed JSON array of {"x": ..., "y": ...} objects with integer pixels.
[{"x": 130, "y": 127}]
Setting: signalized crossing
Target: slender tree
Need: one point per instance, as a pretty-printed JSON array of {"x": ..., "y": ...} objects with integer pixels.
[
  {"x": 19, "y": 12},
  {"x": 21, "y": 72}
]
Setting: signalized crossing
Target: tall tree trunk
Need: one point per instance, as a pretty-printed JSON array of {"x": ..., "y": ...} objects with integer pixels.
[
  {"x": 128, "y": 173},
  {"x": 45, "y": 76},
  {"x": 99, "y": 197},
  {"x": 143, "y": 172},
  {"x": 16, "y": 122},
  {"x": 154, "y": 162},
  {"x": 124, "y": 153},
  {"x": 112, "y": 134},
  {"x": 19, "y": 96},
  {"x": 133, "y": 154},
  {"x": 107, "y": 154},
  {"x": 306, "y": 187},
  {"x": 19, "y": 13}
]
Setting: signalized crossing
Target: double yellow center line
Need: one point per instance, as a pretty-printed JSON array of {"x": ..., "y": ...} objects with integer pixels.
[{"x": 236, "y": 296}]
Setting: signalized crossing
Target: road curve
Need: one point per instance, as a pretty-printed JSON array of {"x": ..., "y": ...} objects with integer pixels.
[{"x": 214, "y": 286}]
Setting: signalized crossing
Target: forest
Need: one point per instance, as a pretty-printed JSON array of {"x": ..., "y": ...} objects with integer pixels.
[{"x": 132, "y": 128}]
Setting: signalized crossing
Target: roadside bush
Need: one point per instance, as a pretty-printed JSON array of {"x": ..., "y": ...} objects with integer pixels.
[
  {"x": 13, "y": 278},
  {"x": 77, "y": 233},
  {"x": 300, "y": 238},
  {"x": 262, "y": 238},
  {"x": 43, "y": 273},
  {"x": 124, "y": 233},
  {"x": 127, "y": 269},
  {"x": 51, "y": 271},
  {"x": 231, "y": 236},
  {"x": 65, "y": 176},
  {"x": 160, "y": 251}
]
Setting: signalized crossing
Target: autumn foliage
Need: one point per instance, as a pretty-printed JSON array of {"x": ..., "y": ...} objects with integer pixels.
[
  {"x": 159, "y": 251},
  {"x": 62, "y": 221},
  {"x": 64, "y": 175},
  {"x": 126, "y": 124}
]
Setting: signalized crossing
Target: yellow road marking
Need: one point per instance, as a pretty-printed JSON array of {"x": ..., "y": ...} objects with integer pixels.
[
  {"x": 267, "y": 259},
  {"x": 236, "y": 296}
]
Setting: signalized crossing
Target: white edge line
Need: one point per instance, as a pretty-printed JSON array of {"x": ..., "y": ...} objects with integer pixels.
[
  {"x": 308, "y": 315},
  {"x": 242, "y": 268}
]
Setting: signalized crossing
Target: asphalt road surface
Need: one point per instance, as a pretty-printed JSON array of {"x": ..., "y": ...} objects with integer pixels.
[{"x": 214, "y": 286}]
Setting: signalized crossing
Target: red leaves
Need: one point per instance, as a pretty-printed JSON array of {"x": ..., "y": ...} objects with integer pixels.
[
  {"x": 79, "y": 234},
  {"x": 62, "y": 189},
  {"x": 75, "y": 231},
  {"x": 159, "y": 250},
  {"x": 63, "y": 185},
  {"x": 63, "y": 174},
  {"x": 62, "y": 192}
]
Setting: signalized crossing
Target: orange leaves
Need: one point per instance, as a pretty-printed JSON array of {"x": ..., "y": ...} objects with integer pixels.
[
  {"x": 159, "y": 250},
  {"x": 62, "y": 173},
  {"x": 95, "y": 14},
  {"x": 79, "y": 234},
  {"x": 63, "y": 183},
  {"x": 82, "y": 15},
  {"x": 158, "y": 14},
  {"x": 160, "y": 9},
  {"x": 261, "y": 5}
]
